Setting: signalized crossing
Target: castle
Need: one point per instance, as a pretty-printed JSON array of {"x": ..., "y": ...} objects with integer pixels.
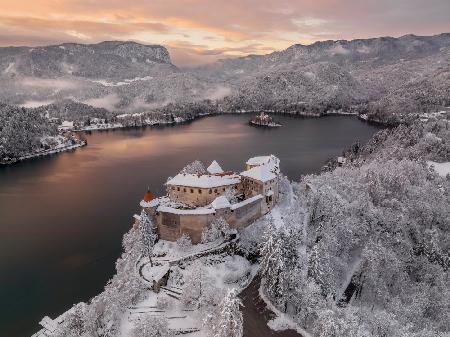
[{"x": 193, "y": 201}]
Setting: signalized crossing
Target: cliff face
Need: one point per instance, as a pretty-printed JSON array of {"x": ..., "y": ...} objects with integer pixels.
[{"x": 103, "y": 60}]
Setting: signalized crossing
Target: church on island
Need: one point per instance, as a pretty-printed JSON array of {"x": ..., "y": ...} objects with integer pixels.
[{"x": 194, "y": 200}]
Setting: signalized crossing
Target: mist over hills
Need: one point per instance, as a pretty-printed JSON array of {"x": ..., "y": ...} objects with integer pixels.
[{"x": 386, "y": 78}]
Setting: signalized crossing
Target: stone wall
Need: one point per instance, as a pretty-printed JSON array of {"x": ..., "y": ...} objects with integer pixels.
[
  {"x": 172, "y": 226},
  {"x": 196, "y": 197}
]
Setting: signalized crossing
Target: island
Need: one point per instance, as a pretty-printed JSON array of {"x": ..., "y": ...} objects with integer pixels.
[{"x": 264, "y": 120}]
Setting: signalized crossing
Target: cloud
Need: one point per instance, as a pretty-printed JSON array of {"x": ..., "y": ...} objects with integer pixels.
[
  {"x": 222, "y": 28},
  {"x": 49, "y": 83},
  {"x": 218, "y": 92},
  {"x": 107, "y": 102}
]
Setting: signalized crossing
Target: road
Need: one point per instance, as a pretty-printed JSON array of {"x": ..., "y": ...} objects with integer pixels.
[{"x": 256, "y": 315}]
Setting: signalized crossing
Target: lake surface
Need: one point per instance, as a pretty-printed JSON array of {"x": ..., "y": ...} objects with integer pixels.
[{"x": 62, "y": 218}]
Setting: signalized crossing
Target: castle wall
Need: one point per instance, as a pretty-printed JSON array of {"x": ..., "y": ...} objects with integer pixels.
[
  {"x": 196, "y": 197},
  {"x": 168, "y": 225},
  {"x": 193, "y": 225},
  {"x": 171, "y": 226},
  {"x": 245, "y": 215}
]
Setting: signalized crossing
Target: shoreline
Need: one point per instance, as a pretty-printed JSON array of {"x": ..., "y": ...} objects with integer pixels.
[
  {"x": 44, "y": 153},
  {"x": 180, "y": 121}
]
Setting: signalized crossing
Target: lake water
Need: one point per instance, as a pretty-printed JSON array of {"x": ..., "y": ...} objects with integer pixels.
[{"x": 62, "y": 218}]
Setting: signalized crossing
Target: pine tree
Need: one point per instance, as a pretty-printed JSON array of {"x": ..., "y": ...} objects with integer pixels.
[
  {"x": 272, "y": 262},
  {"x": 148, "y": 235},
  {"x": 230, "y": 322}
]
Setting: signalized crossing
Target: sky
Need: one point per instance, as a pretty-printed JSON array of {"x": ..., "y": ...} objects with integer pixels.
[{"x": 201, "y": 31}]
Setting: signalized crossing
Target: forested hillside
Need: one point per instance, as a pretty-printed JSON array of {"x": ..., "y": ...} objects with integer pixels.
[
  {"x": 364, "y": 250},
  {"x": 385, "y": 79},
  {"x": 23, "y": 131}
]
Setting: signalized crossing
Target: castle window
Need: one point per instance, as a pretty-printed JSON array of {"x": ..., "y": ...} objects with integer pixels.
[
  {"x": 192, "y": 191},
  {"x": 184, "y": 190},
  {"x": 224, "y": 189},
  {"x": 215, "y": 191},
  {"x": 178, "y": 189},
  {"x": 210, "y": 191},
  {"x": 199, "y": 191}
]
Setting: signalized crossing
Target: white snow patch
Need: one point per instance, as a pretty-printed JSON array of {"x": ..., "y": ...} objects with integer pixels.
[
  {"x": 281, "y": 321},
  {"x": 443, "y": 169}
]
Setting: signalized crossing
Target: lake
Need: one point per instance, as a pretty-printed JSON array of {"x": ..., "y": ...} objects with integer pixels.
[{"x": 62, "y": 218}]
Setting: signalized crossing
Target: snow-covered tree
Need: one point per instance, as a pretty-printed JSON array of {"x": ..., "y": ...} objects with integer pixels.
[
  {"x": 272, "y": 262},
  {"x": 149, "y": 235},
  {"x": 196, "y": 167},
  {"x": 151, "y": 326},
  {"x": 215, "y": 230},
  {"x": 184, "y": 242},
  {"x": 227, "y": 320},
  {"x": 231, "y": 194},
  {"x": 74, "y": 322}
]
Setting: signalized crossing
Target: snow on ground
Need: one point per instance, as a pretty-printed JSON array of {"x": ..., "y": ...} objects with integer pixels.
[
  {"x": 220, "y": 270},
  {"x": 106, "y": 83},
  {"x": 282, "y": 321},
  {"x": 443, "y": 169},
  {"x": 168, "y": 251}
]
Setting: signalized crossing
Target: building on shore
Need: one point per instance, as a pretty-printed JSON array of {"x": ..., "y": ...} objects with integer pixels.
[{"x": 193, "y": 201}]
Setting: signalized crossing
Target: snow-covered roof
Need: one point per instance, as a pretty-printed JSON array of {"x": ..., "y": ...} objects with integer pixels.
[
  {"x": 441, "y": 168},
  {"x": 204, "y": 181},
  {"x": 220, "y": 202},
  {"x": 151, "y": 203},
  {"x": 260, "y": 160},
  {"x": 261, "y": 173},
  {"x": 214, "y": 168},
  {"x": 196, "y": 211},
  {"x": 271, "y": 161}
]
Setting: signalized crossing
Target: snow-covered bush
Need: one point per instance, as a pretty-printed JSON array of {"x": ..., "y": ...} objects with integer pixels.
[
  {"x": 184, "y": 242},
  {"x": 151, "y": 326}
]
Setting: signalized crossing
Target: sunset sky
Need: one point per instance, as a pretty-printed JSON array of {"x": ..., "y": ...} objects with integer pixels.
[{"x": 201, "y": 31}]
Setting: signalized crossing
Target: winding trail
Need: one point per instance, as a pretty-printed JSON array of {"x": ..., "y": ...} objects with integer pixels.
[{"x": 256, "y": 314}]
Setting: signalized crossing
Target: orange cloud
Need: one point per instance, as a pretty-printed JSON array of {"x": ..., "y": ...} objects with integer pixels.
[{"x": 196, "y": 30}]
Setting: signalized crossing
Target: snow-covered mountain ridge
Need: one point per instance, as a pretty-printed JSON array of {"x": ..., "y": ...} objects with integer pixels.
[{"x": 387, "y": 79}]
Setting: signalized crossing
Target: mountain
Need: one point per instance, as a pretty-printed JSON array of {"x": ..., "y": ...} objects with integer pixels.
[
  {"x": 386, "y": 78},
  {"x": 113, "y": 75},
  {"x": 373, "y": 75},
  {"x": 107, "y": 60}
]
